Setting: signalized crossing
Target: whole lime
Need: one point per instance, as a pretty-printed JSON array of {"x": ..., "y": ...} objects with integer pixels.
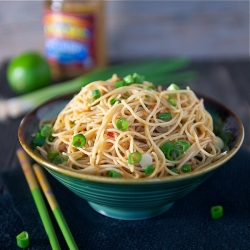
[{"x": 28, "y": 71}]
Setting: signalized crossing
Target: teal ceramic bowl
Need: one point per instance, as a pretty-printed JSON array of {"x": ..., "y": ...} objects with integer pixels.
[{"x": 125, "y": 198}]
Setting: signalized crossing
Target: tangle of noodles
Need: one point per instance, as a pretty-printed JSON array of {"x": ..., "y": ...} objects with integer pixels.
[{"x": 107, "y": 148}]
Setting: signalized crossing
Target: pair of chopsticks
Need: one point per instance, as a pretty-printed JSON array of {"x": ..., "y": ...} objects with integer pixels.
[{"x": 33, "y": 176}]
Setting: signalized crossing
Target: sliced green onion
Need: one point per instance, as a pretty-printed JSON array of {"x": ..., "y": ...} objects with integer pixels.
[
  {"x": 96, "y": 93},
  {"x": 38, "y": 140},
  {"x": 175, "y": 170},
  {"x": 173, "y": 86},
  {"x": 114, "y": 174},
  {"x": 172, "y": 101},
  {"x": 79, "y": 140},
  {"x": 138, "y": 78},
  {"x": 134, "y": 158},
  {"x": 186, "y": 168},
  {"x": 113, "y": 101},
  {"x": 59, "y": 159},
  {"x": 52, "y": 154},
  {"x": 149, "y": 169},
  {"x": 51, "y": 138},
  {"x": 164, "y": 147},
  {"x": 120, "y": 83},
  {"x": 23, "y": 240},
  {"x": 46, "y": 129},
  {"x": 121, "y": 124},
  {"x": 149, "y": 87},
  {"x": 182, "y": 145},
  {"x": 165, "y": 116},
  {"x": 216, "y": 212},
  {"x": 173, "y": 154},
  {"x": 128, "y": 79}
]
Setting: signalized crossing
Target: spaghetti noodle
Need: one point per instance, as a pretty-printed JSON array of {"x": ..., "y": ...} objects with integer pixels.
[{"x": 133, "y": 130}]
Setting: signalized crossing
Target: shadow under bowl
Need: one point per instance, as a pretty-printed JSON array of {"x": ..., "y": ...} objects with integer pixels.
[{"x": 127, "y": 198}]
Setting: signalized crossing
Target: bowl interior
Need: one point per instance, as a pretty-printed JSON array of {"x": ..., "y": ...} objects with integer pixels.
[{"x": 226, "y": 125}]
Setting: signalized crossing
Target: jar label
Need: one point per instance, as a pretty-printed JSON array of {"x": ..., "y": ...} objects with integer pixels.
[{"x": 69, "y": 39}]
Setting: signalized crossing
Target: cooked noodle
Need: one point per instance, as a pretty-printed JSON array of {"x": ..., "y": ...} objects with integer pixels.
[{"x": 107, "y": 148}]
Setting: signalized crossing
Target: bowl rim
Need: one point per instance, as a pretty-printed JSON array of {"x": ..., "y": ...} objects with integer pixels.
[{"x": 92, "y": 178}]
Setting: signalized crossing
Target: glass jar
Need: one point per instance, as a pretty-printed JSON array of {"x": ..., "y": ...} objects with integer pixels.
[{"x": 74, "y": 37}]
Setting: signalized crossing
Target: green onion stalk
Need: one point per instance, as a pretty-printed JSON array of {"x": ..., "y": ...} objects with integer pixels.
[{"x": 157, "y": 71}]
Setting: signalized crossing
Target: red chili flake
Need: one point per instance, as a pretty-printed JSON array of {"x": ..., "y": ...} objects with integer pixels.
[{"x": 111, "y": 134}]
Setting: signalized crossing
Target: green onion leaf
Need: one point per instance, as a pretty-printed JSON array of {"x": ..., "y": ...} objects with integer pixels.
[
  {"x": 52, "y": 154},
  {"x": 173, "y": 154},
  {"x": 182, "y": 145},
  {"x": 113, "y": 101},
  {"x": 149, "y": 87},
  {"x": 121, "y": 124},
  {"x": 138, "y": 78},
  {"x": 216, "y": 212},
  {"x": 23, "y": 240},
  {"x": 164, "y": 147},
  {"x": 173, "y": 86},
  {"x": 149, "y": 169},
  {"x": 186, "y": 168},
  {"x": 114, "y": 174},
  {"x": 128, "y": 80},
  {"x": 165, "y": 116},
  {"x": 175, "y": 170},
  {"x": 134, "y": 158},
  {"x": 96, "y": 93},
  {"x": 79, "y": 140},
  {"x": 120, "y": 83},
  {"x": 46, "y": 130},
  {"x": 172, "y": 101},
  {"x": 38, "y": 140},
  {"x": 51, "y": 138},
  {"x": 59, "y": 159}
]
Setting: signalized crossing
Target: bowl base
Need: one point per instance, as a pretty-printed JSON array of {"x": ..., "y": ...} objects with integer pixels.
[{"x": 130, "y": 214}]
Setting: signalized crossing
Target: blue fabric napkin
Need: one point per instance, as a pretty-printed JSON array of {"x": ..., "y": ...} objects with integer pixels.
[{"x": 187, "y": 225}]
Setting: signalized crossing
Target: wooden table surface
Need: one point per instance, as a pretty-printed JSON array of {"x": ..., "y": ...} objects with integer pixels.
[{"x": 225, "y": 81}]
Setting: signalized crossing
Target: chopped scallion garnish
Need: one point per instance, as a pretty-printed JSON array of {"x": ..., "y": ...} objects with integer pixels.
[
  {"x": 96, "y": 93},
  {"x": 120, "y": 83},
  {"x": 216, "y": 212},
  {"x": 149, "y": 169},
  {"x": 128, "y": 79},
  {"x": 172, "y": 101},
  {"x": 38, "y": 140},
  {"x": 46, "y": 129},
  {"x": 134, "y": 158},
  {"x": 52, "y": 154},
  {"x": 149, "y": 87},
  {"x": 114, "y": 174},
  {"x": 186, "y": 168},
  {"x": 59, "y": 159},
  {"x": 165, "y": 116},
  {"x": 164, "y": 147},
  {"x": 138, "y": 78},
  {"x": 79, "y": 140},
  {"x": 182, "y": 145},
  {"x": 113, "y": 101},
  {"x": 121, "y": 124},
  {"x": 173, "y": 154},
  {"x": 175, "y": 170},
  {"x": 173, "y": 86}
]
